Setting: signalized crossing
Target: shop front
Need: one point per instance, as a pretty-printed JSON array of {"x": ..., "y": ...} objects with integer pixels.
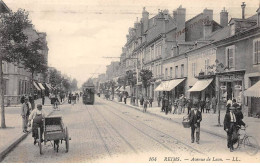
[
  {"x": 231, "y": 86},
  {"x": 202, "y": 89},
  {"x": 253, "y": 97},
  {"x": 172, "y": 88}
]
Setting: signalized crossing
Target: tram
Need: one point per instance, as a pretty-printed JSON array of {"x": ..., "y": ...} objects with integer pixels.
[{"x": 88, "y": 96}]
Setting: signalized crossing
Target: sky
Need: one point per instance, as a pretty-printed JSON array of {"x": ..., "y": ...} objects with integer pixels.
[{"x": 80, "y": 33}]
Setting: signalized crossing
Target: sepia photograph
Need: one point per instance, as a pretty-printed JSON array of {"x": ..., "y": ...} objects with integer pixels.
[{"x": 130, "y": 81}]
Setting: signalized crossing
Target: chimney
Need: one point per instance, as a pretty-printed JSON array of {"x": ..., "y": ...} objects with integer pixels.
[
  {"x": 243, "y": 6},
  {"x": 208, "y": 14},
  {"x": 174, "y": 15},
  {"x": 207, "y": 30},
  {"x": 145, "y": 18},
  {"x": 180, "y": 22},
  {"x": 223, "y": 18}
]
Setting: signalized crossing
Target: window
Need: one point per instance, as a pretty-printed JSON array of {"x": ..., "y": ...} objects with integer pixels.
[
  {"x": 230, "y": 57},
  {"x": 152, "y": 53},
  {"x": 166, "y": 73},
  {"x": 256, "y": 52},
  {"x": 160, "y": 50},
  {"x": 5, "y": 86},
  {"x": 182, "y": 70},
  {"x": 206, "y": 66},
  {"x": 171, "y": 72},
  {"x": 193, "y": 67},
  {"x": 176, "y": 71}
]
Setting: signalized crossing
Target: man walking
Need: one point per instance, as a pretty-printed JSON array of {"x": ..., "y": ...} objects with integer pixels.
[
  {"x": 25, "y": 112},
  {"x": 195, "y": 117},
  {"x": 230, "y": 127},
  {"x": 214, "y": 104}
]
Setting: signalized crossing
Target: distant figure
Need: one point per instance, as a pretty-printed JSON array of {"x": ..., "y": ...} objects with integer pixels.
[
  {"x": 159, "y": 100},
  {"x": 43, "y": 98},
  {"x": 202, "y": 105},
  {"x": 214, "y": 104},
  {"x": 207, "y": 105},
  {"x": 175, "y": 106},
  {"x": 145, "y": 105}
]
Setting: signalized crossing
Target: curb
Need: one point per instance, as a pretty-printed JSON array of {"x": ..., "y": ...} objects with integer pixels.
[
  {"x": 170, "y": 119},
  {"x": 10, "y": 147}
]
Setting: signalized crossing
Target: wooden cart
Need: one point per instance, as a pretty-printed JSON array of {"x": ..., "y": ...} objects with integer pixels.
[{"x": 53, "y": 130}]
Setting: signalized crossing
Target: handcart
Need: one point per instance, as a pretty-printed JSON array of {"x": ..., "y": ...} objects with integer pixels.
[{"x": 53, "y": 130}]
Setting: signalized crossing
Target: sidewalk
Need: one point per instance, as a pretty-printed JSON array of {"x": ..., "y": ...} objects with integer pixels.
[
  {"x": 209, "y": 120},
  {"x": 12, "y": 135}
]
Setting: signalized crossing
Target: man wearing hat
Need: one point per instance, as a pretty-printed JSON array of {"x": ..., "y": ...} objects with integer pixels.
[
  {"x": 37, "y": 116},
  {"x": 230, "y": 122},
  {"x": 25, "y": 112}
]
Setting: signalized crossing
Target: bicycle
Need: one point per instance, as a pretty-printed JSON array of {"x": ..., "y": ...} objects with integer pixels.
[{"x": 249, "y": 143}]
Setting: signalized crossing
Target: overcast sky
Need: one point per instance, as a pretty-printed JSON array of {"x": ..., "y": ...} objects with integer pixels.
[{"x": 81, "y": 32}]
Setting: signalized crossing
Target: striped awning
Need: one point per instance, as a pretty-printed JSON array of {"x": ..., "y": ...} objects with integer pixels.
[
  {"x": 253, "y": 91},
  {"x": 41, "y": 86},
  {"x": 36, "y": 86},
  {"x": 169, "y": 85},
  {"x": 200, "y": 85}
]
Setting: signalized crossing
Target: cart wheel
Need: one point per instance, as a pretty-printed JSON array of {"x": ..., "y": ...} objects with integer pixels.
[
  {"x": 39, "y": 140},
  {"x": 67, "y": 140}
]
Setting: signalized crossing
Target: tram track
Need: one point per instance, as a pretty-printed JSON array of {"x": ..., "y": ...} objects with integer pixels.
[
  {"x": 120, "y": 135},
  {"x": 154, "y": 129},
  {"x": 99, "y": 133}
]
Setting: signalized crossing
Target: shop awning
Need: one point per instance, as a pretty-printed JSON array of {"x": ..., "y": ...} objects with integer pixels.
[
  {"x": 200, "y": 85},
  {"x": 169, "y": 85},
  {"x": 122, "y": 88},
  {"x": 253, "y": 91},
  {"x": 36, "y": 86},
  {"x": 41, "y": 86},
  {"x": 127, "y": 89}
]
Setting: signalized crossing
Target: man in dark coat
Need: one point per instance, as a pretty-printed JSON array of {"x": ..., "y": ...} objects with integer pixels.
[
  {"x": 195, "y": 117},
  {"x": 230, "y": 122}
]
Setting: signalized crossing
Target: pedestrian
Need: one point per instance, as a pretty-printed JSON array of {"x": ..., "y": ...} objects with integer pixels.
[
  {"x": 189, "y": 105},
  {"x": 163, "y": 104},
  {"x": 159, "y": 100},
  {"x": 125, "y": 98},
  {"x": 195, "y": 117},
  {"x": 43, "y": 98},
  {"x": 142, "y": 100},
  {"x": 69, "y": 98},
  {"x": 150, "y": 102},
  {"x": 170, "y": 107},
  {"x": 25, "y": 112},
  {"x": 230, "y": 126},
  {"x": 31, "y": 100},
  {"x": 214, "y": 104},
  {"x": 22, "y": 99},
  {"x": 175, "y": 105},
  {"x": 145, "y": 105},
  {"x": 73, "y": 100},
  {"x": 202, "y": 105},
  {"x": 166, "y": 105},
  {"x": 207, "y": 105},
  {"x": 37, "y": 117},
  {"x": 238, "y": 113},
  {"x": 181, "y": 104}
]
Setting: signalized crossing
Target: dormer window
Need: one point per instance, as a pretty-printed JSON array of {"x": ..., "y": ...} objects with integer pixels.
[{"x": 232, "y": 29}]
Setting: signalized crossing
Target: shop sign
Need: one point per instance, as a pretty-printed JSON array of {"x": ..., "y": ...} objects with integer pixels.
[
  {"x": 223, "y": 87},
  {"x": 231, "y": 77}
]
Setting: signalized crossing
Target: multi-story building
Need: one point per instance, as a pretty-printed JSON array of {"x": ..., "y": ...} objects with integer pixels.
[{"x": 17, "y": 79}]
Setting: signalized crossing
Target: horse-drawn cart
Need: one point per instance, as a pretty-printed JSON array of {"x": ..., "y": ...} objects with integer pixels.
[{"x": 53, "y": 130}]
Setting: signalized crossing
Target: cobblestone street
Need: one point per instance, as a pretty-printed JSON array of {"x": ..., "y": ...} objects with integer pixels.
[{"x": 111, "y": 132}]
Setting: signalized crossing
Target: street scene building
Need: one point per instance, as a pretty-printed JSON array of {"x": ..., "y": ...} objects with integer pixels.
[
  {"x": 129, "y": 81},
  {"x": 198, "y": 58}
]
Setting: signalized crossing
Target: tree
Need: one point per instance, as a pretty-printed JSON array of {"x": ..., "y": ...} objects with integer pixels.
[
  {"x": 146, "y": 77},
  {"x": 55, "y": 78},
  {"x": 33, "y": 59},
  {"x": 12, "y": 39}
]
